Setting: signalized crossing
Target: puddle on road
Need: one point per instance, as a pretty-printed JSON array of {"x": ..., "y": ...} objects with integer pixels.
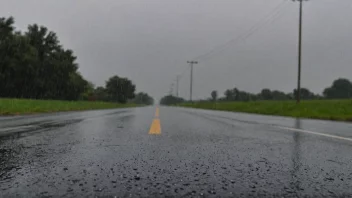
[
  {"x": 12, "y": 153},
  {"x": 20, "y": 130},
  {"x": 6, "y": 166}
]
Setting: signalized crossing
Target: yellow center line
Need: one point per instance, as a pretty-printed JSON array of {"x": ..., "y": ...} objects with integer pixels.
[
  {"x": 157, "y": 112},
  {"x": 155, "y": 128}
]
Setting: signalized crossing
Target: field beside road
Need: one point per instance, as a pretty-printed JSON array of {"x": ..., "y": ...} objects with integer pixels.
[
  {"x": 27, "y": 106},
  {"x": 318, "y": 109}
]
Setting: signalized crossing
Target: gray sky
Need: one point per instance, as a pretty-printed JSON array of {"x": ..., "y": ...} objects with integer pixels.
[{"x": 149, "y": 41}]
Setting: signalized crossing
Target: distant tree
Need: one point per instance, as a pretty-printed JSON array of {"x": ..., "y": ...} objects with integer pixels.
[
  {"x": 222, "y": 99},
  {"x": 143, "y": 98},
  {"x": 214, "y": 95},
  {"x": 290, "y": 96},
  {"x": 278, "y": 95},
  {"x": 101, "y": 94},
  {"x": 16, "y": 59},
  {"x": 6, "y": 27},
  {"x": 120, "y": 89},
  {"x": 47, "y": 82},
  {"x": 76, "y": 84},
  {"x": 238, "y": 95},
  {"x": 243, "y": 96},
  {"x": 171, "y": 100},
  {"x": 341, "y": 88},
  {"x": 35, "y": 65},
  {"x": 88, "y": 93},
  {"x": 266, "y": 94},
  {"x": 229, "y": 95},
  {"x": 306, "y": 94}
]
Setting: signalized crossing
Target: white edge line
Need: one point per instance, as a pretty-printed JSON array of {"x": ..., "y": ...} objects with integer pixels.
[{"x": 316, "y": 133}]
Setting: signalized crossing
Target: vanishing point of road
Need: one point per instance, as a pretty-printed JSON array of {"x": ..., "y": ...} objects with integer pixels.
[{"x": 173, "y": 152}]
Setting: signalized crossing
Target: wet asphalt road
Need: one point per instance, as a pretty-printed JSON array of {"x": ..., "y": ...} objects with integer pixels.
[{"x": 198, "y": 153}]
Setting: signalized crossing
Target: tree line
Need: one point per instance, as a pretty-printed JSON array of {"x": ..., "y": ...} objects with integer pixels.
[
  {"x": 143, "y": 98},
  {"x": 33, "y": 64},
  {"x": 340, "y": 89},
  {"x": 117, "y": 89},
  {"x": 171, "y": 100}
]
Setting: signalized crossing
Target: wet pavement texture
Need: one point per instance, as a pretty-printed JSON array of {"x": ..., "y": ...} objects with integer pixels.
[{"x": 199, "y": 153}]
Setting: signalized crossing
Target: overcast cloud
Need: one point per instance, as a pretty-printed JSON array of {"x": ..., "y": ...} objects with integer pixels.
[{"x": 149, "y": 41}]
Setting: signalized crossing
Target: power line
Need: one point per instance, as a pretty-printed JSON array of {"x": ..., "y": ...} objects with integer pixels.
[
  {"x": 268, "y": 19},
  {"x": 249, "y": 34},
  {"x": 271, "y": 16}
]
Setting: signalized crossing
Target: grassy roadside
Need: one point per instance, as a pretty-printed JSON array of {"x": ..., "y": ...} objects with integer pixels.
[
  {"x": 26, "y": 106},
  {"x": 318, "y": 109}
]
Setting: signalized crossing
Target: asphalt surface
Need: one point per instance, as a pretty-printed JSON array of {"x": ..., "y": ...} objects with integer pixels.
[{"x": 192, "y": 153}]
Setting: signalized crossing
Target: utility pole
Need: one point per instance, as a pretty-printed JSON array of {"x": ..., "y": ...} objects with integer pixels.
[
  {"x": 177, "y": 80},
  {"x": 298, "y": 96},
  {"x": 191, "y": 82}
]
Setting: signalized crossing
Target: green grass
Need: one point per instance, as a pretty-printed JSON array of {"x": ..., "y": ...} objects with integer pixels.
[
  {"x": 317, "y": 109},
  {"x": 27, "y": 106}
]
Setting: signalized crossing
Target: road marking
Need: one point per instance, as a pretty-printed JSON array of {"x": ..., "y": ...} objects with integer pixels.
[
  {"x": 316, "y": 133},
  {"x": 155, "y": 128},
  {"x": 157, "y": 112}
]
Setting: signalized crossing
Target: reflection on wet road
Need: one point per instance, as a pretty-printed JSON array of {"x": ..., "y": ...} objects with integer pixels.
[{"x": 198, "y": 153}]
